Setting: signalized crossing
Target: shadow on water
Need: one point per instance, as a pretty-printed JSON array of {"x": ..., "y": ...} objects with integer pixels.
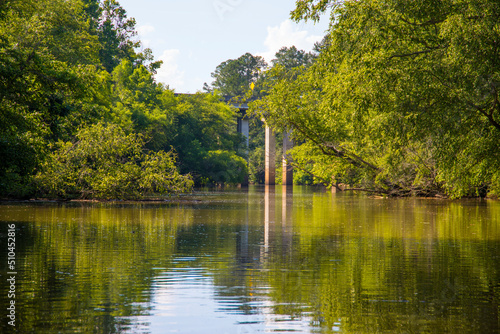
[{"x": 275, "y": 259}]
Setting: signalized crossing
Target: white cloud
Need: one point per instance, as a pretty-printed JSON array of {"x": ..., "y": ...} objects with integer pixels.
[
  {"x": 169, "y": 72},
  {"x": 143, "y": 30},
  {"x": 287, "y": 34}
]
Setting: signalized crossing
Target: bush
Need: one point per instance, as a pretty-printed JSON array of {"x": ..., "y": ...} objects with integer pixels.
[
  {"x": 106, "y": 163},
  {"x": 224, "y": 167}
]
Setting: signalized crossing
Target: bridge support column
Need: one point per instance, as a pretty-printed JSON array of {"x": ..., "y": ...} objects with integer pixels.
[
  {"x": 243, "y": 128},
  {"x": 287, "y": 179},
  {"x": 270, "y": 166}
]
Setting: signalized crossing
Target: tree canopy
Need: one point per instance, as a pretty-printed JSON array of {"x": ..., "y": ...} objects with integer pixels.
[
  {"x": 104, "y": 162},
  {"x": 44, "y": 88},
  {"x": 234, "y": 76},
  {"x": 403, "y": 98},
  {"x": 400, "y": 98},
  {"x": 67, "y": 67}
]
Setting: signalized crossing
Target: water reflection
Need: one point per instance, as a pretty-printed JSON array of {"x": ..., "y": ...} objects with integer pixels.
[
  {"x": 265, "y": 260},
  {"x": 269, "y": 214}
]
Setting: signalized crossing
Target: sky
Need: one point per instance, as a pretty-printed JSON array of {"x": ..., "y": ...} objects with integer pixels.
[{"x": 192, "y": 37}]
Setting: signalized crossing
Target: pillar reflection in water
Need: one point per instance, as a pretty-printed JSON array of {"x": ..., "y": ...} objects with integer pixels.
[
  {"x": 269, "y": 214},
  {"x": 287, "y": 169},
  {"x": 286, "y": 216},
  {"x": 278, "y": 237},
  {"x": 244, "y": 257}
]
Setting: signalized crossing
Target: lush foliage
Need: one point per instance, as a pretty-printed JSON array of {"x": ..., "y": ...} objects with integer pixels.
[
  {"x": 44, "y": 88},
  {"x": 225, "y": 167},
  {"x": 403, "y": 98},
  {"x": 400, "y": 98},
  {"x": 68, "y": 65},
  {"x": 249, "y": 78},
  {"x": 104, "y": 162},
  {"x": 233, "y": 77},
  {"x": 204, "y": 124}
]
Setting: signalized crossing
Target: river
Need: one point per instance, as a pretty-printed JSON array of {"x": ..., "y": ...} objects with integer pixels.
[{"x": 258, "y": 260}]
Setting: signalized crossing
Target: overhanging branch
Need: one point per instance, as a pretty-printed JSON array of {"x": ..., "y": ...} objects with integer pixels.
[{"x": 416, "y": 53}]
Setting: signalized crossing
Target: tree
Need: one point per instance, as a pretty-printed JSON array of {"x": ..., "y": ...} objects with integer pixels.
[
  {"x": 291, "y": 57},
  {"x": 234, "y": 76},
  {"x": 141, "y": 105},
  {"x": 405, "y": 94},
  {"x": 103, "y": 162},
  {"x": 225, "y": 167},
  {"x": 108, "y": 20},
  {"x": 44, "y": 88},
  {"x": 115, "y": 33},
  {"x": 288, "y": 62},
  {"x": 93, "y": 12},
  {"x": 200, "y": 128},
  {"x": 205, "y": 131}
]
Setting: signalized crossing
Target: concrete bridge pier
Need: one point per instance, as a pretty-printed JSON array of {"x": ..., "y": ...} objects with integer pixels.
[
  {"x": 270, "y": 163},
  {"x": 270, "y": 150},
  {"x": 270, "y": 154},
  {"x": 287, "y": 179},
  {"x": 243, "y": 128}
]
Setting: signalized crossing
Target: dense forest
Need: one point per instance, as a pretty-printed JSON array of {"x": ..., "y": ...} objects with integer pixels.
[
  {"x": 400, "y": 98},
  {"x": 83, "y": 117}
]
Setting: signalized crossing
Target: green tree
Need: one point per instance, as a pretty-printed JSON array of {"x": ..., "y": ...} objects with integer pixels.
[
  {"x": 46, "y": 90},
  {"x": 288, "y": 62},
  {"x": 224, "y": 167},
  {"x": 115, "y": 33},
  {"x": 404, "y": 93},
  {"x": 195, "y": 126},
  {"x": 141, "y": 105},
  {"x": 234, "y": 76},
  {"x": 104, "y": 162},
  {"x": 290, "y": 57},
  {"x": 93, "y": 11},
  {"x": 205, "y": 124}
]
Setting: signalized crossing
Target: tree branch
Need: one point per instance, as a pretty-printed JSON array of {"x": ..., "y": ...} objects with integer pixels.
[
  {"x": 325, "y": 182},
  {"x": 379, "y": 191},
  {"x": 423, "y": 24},
  {"x": 375, "y": 168},
  {"x": 481, "y": 110},
  {"x": 333, "y": 151},
  {"x": 414, "y": 53},
  {"x": 489, "y": 115}
]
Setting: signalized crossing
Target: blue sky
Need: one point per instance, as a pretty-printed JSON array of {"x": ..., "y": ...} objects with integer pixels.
[{"x": 192, "y": 37}]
